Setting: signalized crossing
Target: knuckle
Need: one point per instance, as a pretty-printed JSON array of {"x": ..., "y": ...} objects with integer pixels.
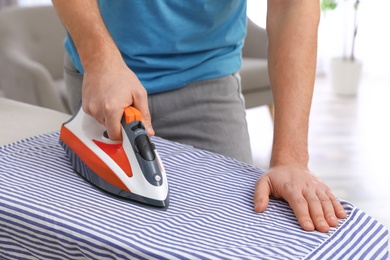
[
  {"x": 323, "y": 199},
  {"x": 87, "y": 108},
  {"x": 147, "y": 116},
  {"x": 329, "y": 215},
  {"x": 318, "y": 217},
  {"x": 109, "y": 111},
  {"x": 140, "y": 93},
  {"x": 299, "y": 200},
  {"x": 312, "y": 200}
]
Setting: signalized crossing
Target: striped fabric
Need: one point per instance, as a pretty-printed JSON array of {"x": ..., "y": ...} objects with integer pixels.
[{"x": 48, "y": 212}]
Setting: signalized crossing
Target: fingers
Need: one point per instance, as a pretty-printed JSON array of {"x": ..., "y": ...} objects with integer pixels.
[
  {"x": 317, "y": 210},
  {"x": 300, "y": 207},
  {"x": 112, "y": 121},
  {"x": 113, "y": 124},
  {"x": 311, "y": 200},
  {"x": 141, "y": 103},
  {"x": 110, "y": 118},
  {"x": 338, "y": 208},
  {"x": 108, "y": 109},
  {"x": 324, "y": 211},
  {"x": 262, "y": 193},
  {"x": 110, "y": 87}
]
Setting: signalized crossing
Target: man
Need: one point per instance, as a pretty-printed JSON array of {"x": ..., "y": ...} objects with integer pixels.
[{"x": 177, "y": 62}]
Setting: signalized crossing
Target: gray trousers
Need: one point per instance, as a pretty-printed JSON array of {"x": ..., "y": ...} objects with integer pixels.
[{"x": 208, "y": 114}]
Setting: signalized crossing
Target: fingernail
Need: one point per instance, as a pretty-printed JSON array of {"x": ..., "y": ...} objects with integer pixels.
[
  {"x": 342, "y": 213},
  {"x": 308, "y": 225},
  {"x": 323, "y": 224},
  {"x": 333, "y": 221}
]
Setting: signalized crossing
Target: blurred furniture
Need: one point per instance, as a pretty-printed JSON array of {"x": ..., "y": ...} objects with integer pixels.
[
  {"x": 20, "y": 120},
  {"x": 5, "y": 3},
  {"x": 31, "y": 56},
  {"x": 31, "y": 59},
  {"x": 254, "y": 72}
]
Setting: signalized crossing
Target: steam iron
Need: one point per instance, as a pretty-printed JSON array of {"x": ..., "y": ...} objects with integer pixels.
[{"x": 131, "y": 168}]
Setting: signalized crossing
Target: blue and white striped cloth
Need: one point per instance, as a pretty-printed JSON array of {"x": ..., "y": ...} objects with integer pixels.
[{"x": 48, "y": 212}]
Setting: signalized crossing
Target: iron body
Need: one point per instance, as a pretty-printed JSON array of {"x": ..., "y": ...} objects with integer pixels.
[{"x": 131, "y": 168}]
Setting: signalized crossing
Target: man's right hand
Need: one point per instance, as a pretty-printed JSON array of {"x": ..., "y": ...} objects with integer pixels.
[{"x": 108, "y": 88}]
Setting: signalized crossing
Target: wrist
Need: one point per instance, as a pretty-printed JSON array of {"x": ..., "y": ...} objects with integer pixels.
[
  {"x": 285, "y": 161},
  {"x": 99, "y": 54},
  {"x": 102, "y": 60},
  {"x": 289, "y": 156},
  {"x": 290, "y": 143}
]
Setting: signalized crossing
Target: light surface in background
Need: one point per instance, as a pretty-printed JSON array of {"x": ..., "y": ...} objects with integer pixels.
[
  {"x": 257, "y": 11},
  {"x": 34, "y": 2}
]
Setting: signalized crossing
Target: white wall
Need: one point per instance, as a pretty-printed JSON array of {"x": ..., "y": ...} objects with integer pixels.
[
  {"x": 372, "y": 42},
  {"x": 257, "y": 11},
  {"x": 33, "y": 2}
]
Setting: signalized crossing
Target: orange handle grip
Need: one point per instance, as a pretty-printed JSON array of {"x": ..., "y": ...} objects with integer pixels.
[{"x": 131, "y": 113}]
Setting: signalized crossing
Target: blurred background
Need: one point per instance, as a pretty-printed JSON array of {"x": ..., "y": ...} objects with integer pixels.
[{"x": 349, "y": 125}]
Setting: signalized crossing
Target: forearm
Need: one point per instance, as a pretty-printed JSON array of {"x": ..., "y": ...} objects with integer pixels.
[
  {"x": 84, "y": 23},
  {"x": 292, "y": 31}
]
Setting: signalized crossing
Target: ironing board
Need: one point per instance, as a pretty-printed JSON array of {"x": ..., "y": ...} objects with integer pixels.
[{"x": 48, "y": 212}]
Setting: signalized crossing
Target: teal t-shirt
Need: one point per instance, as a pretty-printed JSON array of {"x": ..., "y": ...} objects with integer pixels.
[{"x": 171, "y": 43}]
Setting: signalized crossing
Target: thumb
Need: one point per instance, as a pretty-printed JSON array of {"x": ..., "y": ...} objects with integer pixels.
[
  {"x": 113, "y": 125},
  {"x": 261, "y": 196}
]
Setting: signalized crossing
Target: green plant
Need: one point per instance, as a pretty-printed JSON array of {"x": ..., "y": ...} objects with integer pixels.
[{"x": 328, "y": 5}]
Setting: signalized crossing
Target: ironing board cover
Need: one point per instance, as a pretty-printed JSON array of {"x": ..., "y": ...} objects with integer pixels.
[{"x": 48, "y": 212}]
